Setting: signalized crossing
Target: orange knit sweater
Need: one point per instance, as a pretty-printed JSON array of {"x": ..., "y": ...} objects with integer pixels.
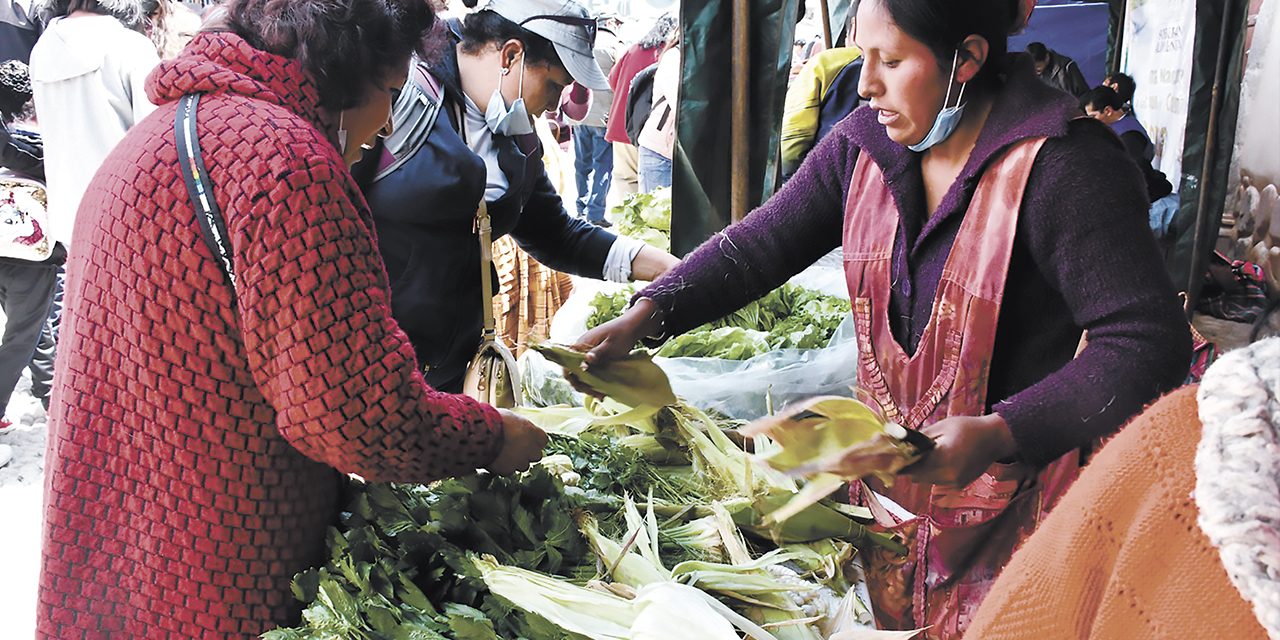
[{"x": 1121, "y": 557}]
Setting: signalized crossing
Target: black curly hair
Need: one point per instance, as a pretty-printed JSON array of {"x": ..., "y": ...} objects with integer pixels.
[
  {"x": 15, "y": 90},
  {"x": 343, "y": 44}
]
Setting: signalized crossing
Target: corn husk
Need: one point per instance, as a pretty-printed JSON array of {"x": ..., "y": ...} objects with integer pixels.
[
  {"x": 633, "y": 380},
  {"x": 836, "y": 435},
  {"x": 591, "y": 613},
  {"x": 875, "y": 634}
]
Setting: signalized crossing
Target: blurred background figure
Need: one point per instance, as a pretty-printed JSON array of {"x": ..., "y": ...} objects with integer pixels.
[
  {"x": 592, "y": 153},
  {"x": 173, "y": 25},
  {"x": 29, "y": 259},
  {"x": 1124, "y": 86},
  {"x": 18, "y": 30},
  {"x": 87, "y": 74},
  {"x": 1103, "y": 103},
  {"x": 1057, "y": 70},
  {"x": 658, "y": 137},
  {"x": 824, "y": 92},
  {"x": 642, "y": 54}
]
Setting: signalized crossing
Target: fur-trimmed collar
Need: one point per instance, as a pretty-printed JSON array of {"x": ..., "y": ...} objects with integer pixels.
[{"x": 1238, "y": 471}]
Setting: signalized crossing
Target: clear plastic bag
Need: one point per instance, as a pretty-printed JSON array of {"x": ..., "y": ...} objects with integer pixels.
[
  {"x": 543, "y": 383},
  {"x": 744, "y": 389},
  {"x": 741, "y": 389}
]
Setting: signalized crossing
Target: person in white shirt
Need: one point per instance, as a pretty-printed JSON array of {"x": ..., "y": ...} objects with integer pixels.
[{"x": 87, "y": 74}]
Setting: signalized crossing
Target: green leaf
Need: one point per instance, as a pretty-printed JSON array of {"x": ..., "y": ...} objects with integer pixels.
[
  {"x": 468, "y": 623},
  {"x": 411, "y": 595},
  {"x": 411, "y": 631},
  {"x": 340, "y": 602},
  {"x": 382, "y": 619},
  {"x": 306, "y": 585}
]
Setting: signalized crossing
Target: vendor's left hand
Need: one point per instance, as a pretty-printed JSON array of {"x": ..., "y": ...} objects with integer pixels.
[{"x": 964, "y": 447}]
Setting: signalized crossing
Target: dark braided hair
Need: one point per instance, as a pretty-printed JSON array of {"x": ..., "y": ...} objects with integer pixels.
[{"x": 343, "y": 44}]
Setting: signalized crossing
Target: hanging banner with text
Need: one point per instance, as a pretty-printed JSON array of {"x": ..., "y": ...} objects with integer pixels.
[{"x": 1158, "y": 51}]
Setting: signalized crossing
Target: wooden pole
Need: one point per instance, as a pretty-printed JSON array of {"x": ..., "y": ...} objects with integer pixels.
[
  {"x": 826, "y": 23},
  {"x": 1206, "y": 231},
  {"x": 741, "y": 124}
]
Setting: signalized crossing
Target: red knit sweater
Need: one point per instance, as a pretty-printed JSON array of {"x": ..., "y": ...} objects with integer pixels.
[{"x": 195, "y": 433}]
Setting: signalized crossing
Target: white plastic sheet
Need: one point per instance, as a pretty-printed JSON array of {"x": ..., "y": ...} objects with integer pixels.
[{"x": 740, "y": 389}]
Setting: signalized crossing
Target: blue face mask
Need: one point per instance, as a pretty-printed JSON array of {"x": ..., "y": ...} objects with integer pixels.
[
  {"x": 948, "y": 119},
  {"x": 508, "y": 122}
]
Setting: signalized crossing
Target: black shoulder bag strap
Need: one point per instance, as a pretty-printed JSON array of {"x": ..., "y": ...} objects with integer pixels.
[{"x": 191, "y": 163}]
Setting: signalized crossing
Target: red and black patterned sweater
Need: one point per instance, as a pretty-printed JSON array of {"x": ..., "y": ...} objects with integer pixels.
[{"x": 197, "y": 435}]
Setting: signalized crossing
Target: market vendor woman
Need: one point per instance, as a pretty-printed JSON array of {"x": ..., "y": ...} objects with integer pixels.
[
  {"x": 464, "y": 132},
  {"x": 985, "y": 225}
]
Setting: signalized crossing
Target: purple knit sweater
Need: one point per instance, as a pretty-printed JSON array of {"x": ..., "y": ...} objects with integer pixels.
[{"x": 1083, "y": 258}]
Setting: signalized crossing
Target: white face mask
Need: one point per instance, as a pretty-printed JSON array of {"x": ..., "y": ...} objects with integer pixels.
[
  {"x": 948, "y": 119},
  {"x": 508, "y": 122}
]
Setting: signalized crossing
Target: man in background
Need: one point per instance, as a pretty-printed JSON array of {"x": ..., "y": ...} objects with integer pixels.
[
  {"x": 592, "y": 153},
  {"x": 18, "y": 30},
  {"x": 1103, "y": 103},
  {"x": 1057, "y": 70}
]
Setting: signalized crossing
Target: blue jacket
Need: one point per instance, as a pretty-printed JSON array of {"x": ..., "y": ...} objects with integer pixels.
[{"x": 424, "y": 211}]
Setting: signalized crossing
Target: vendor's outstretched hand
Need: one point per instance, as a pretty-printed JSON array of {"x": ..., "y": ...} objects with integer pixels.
[
  {"x": 616, "y": 338},
  {"x": 964, "y": 447},
  {"x": 522, "y": 444}
]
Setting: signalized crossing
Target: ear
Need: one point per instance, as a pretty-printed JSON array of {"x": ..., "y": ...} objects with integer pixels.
[
  {"x": 973, "y": 54},
  {"x": 511, "y": 52}
]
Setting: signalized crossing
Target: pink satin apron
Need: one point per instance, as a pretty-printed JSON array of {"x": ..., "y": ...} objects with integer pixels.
[{"x": 960, "y": 538}]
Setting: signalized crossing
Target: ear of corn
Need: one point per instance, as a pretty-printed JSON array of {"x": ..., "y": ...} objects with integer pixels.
[
  {"x": 596, "y": 615},
  {"x": 670, "y": 610},
  {"x": 830, "y": 440},
  {"x": 633, "y": 380}
]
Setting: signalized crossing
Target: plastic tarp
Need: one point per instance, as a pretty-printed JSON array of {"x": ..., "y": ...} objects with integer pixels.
[
  {"x": 1209, "y": 30},
  {"x": 743, "y": 389},
  {"x": 1078, "y": 31},
  {"x": 704, "y": 114}
]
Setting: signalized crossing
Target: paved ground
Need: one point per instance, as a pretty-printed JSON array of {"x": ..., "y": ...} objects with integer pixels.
[{"x": 21, "y": 490}]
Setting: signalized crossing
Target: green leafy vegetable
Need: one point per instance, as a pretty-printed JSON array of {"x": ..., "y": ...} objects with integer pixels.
[{"x": 789, "y": 317}]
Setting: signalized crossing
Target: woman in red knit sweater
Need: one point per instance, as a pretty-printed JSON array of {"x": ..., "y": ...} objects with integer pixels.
[{"x": 199, "y": 432}]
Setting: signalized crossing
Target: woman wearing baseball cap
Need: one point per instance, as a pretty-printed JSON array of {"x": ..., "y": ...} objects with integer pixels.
[{"x": 463, "y": 133}]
